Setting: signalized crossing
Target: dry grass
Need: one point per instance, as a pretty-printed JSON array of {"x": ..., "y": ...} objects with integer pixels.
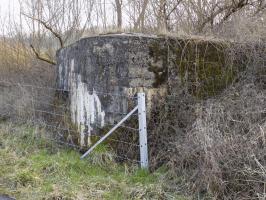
[
  {"x": 222, "y": 152},
  {"x": 19, "y": 66},
  {"x": 14, "y": 56},
  {"x": 217, "y": 145}
]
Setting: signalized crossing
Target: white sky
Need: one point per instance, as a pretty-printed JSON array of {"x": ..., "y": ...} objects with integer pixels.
[
  {"x": 6, "y": 5},
  {"x": 11, "y": 9}
]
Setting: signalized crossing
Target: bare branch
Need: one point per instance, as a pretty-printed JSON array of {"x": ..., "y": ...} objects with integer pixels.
[
  {"x": 49, "y": 28},
  {"x": 173, "y": 9},
  {"x": 142, "y": 14},
  {"x": 38, "y": 55}
]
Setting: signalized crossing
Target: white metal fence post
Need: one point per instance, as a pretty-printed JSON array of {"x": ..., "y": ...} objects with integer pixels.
[{"x": 143, "y": 131}]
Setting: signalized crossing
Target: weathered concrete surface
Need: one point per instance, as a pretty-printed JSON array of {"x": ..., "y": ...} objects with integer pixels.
[
  {"x": 95, "y": 67},
  {"x": 98, "y": 71}
]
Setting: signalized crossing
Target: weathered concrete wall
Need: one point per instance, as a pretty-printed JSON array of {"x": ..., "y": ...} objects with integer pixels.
[
  {"x": 124, "y": 64},
  {"x": 95, "y": 67}
]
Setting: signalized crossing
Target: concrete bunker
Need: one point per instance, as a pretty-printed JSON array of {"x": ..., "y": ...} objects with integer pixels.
[{"x": 123, "y": 64}]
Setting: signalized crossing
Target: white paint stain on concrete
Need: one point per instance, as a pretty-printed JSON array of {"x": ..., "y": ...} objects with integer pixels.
[
  {"x": 60, "y": 71},
  {"x": 86, "y": 108}
]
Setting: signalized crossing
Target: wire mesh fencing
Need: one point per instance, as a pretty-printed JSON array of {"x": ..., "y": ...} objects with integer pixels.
[{"x": 49, "y": 109}]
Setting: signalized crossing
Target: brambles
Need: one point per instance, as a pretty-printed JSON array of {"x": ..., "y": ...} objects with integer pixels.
[{"x": 216, "y": 145}]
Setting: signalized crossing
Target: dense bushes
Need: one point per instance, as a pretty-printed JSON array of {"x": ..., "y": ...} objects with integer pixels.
[{"x": 216, "y": 146}]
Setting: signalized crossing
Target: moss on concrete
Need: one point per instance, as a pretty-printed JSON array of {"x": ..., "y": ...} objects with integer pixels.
[
  {"x": 159, "y": 63},
  {"x": 204, "y": 67}
]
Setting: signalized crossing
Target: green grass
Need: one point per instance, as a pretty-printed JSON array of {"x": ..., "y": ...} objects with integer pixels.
[{"x": 33, "y": 168}]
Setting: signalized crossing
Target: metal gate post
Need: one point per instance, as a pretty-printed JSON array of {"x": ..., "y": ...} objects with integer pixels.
[{"x": 142, "y": 131}]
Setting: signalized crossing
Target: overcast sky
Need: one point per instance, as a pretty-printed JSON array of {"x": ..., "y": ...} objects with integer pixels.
[
  {"x": 10, "y": 8},
  {"x": 6, "y": 5}
]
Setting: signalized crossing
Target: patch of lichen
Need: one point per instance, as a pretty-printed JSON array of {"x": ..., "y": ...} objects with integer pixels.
[{"x": 202, "y": 66}]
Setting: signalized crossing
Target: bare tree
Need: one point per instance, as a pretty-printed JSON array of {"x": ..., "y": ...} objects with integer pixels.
[
  {"x": 163, "y": 11},
  {"x": 118, "y": 4},
  {"x": 140, "y": 20},
  {"x": 52, "y": 25},
  {"x": 48, "y": 25},
  {"x": 219, "y": 11}
]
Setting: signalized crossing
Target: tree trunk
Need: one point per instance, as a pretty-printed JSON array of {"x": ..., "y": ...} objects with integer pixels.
[
  {"x": 119, "y": 13},
  {"x": 162, "y": 17},
  {"x": 141, "y": 18}
]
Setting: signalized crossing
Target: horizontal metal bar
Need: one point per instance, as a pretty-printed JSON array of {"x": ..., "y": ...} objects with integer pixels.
[
  {"x": 34, "y": 110},
  {"x": 34, "y": 99},
  {"x": 130, "y": 128},
  {"x": 118, "y": 141},
  {"x": 66, "y": 90},
  {"x": 32, "y": 86},
  {"x": 126, "y": 158}
]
